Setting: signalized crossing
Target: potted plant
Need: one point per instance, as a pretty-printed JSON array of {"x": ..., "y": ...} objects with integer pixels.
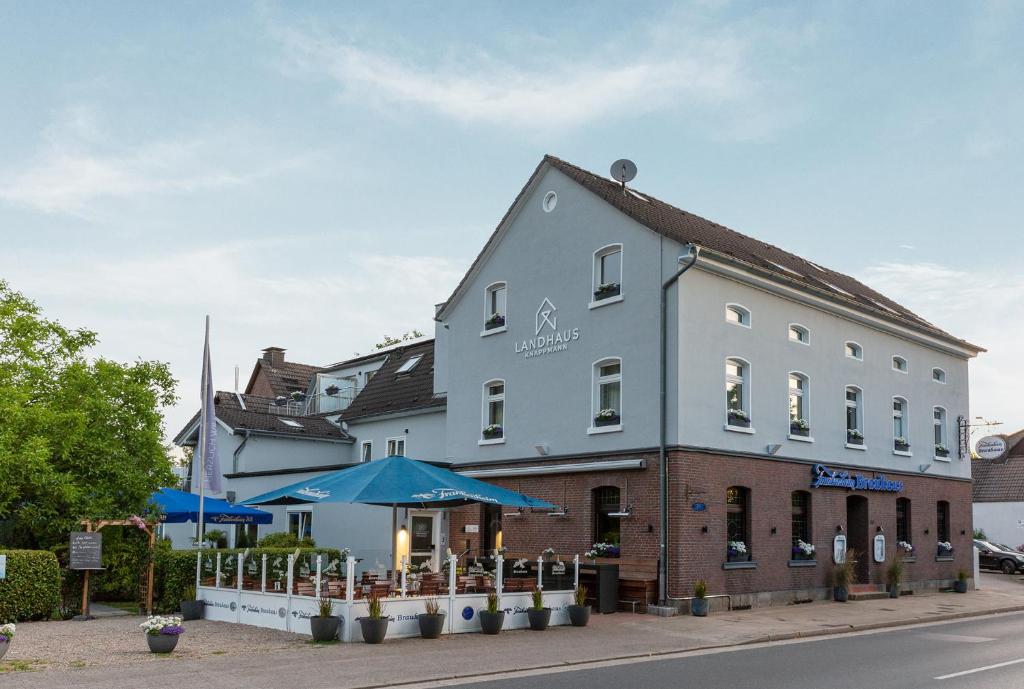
[
  {"x": 332, "y": 390},
  {"x": 6, "y": 636},
  {"x": 162, "y": 633},
  {"x": 579, "y": 611},
  {"x": 493, "y": 431},
  {"x": 324, "y": 625},
  {"x": 803, "y": 550},
  {"x": 539, "y": 616},
  {"x": 607, "y": 289},
  {"x": 854, "y": 437},
  {"x": 602, "y": 550},
  {"x": 491, "y": 618},
  {"x": 737, "y": 551},
  {"x": 738, "y": 417},
  {"x": 191, "y": 607},
  {"x": 843, "y": 577},
  {"x": 900, "y": 444},
  {"x": 495, "y": 320},
  {"x": 960, "y": 585},
  {"x": 799, "y": 427},
  {"x": 375, "y": 625},
  {"x": 699, "y": 604},
  {"x": 905, "y": 548},
  {"x": 945, "y": 549},
  {"x": 894, "y": 575},
  {"x": 432, "y": 620},
  {"x": 607, "y": 417},
  {"x": 941, "y": 450}
]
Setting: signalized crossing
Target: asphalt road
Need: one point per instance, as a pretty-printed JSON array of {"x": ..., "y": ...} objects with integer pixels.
[{"x": 956, "y": 655}]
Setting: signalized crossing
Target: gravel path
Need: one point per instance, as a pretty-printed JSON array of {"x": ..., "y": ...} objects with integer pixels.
[{"x": 119, "y": 641}]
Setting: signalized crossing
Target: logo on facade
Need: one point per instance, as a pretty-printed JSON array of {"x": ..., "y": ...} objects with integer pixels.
[
  {"x": 314, "y": 493},
  {"x": 546, "y": 316},
  {"x": 548, "y": 338},
  {"x": 823, "y": 477}
]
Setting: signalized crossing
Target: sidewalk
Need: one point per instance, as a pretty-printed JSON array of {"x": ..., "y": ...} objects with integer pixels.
[{"x": 277, "y": 659}]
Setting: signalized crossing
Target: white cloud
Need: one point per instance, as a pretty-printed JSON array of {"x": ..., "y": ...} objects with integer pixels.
[
  {"x": 79, "y": 166},
  {"x": 982, "y": 306}
]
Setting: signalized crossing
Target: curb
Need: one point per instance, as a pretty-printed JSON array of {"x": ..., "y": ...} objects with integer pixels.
[{"x": 768, "y": 638}]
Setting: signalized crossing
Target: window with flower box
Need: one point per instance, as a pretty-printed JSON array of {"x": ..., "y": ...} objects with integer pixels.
[
  {"x": 607, "y": 273},
  {"x": 802, "y": 546},
  {"x": 939, "y": 425},
  {"x": 737, "y": 515},
  {"x": 945, "y": 548},
  {"x": 903, "y": 530},
  {"x": 798, "y": 401},
  {"x": 854, "y": 417},
  {"x": 737, "y": 393},
  {"x": 607, "y": 395},
  {"x": 606, "y": 526},
  {"x": 900, "y": 425},
  {"x": 495, "y": 306},
  {"x": 493, "y": 427}
]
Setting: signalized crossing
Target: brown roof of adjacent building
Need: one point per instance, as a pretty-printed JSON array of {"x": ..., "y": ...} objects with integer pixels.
[
  {"x": 272, "y": 376},
  {"x": 390, "y": 391},
  {"x": 1001, "y": 480},
  {"x": 262, "y": 416},
  {"x": 753, "y": 255}
]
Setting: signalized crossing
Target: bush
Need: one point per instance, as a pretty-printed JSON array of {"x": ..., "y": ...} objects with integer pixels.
[
  {"x": 283, "y": 539},
  {"x": 216, "y": 537},
  {"x": 31, "y": 590}
]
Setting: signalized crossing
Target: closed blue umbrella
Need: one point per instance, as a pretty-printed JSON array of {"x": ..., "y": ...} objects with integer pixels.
[
  {"x": 177, "y": 507},
  {"x": 396, "y": 482}
]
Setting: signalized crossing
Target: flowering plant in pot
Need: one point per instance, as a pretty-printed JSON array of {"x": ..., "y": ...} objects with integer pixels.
[
  {"x": 162, "y": 633},
  {"x": 960, "y": 585},
  {"x": 905, "y": 547},
  {"x": 431, "y": 619},
  {"x": 854, "y": 437},
  {"x": 900, "y": 444},
  {"x": 607, "y": 289},
  {"x": 375, "y": 625},
  {"x": 606, "y": 417},
  {"x": 803, "y": 550},
  {"x": 941, "y": 450},
  {"x": 492, "y": 431},
  {"x": 191, "y": 608},
  {"x": 699, "y": 604},
  {"x": 540, "y": 617},
  {"x": 491, "y": 618},
  {"x": 495, "y": 320},
  {"x": 799, "y": 427},
  {"x": 324, "y": 625},
  {"x": 737, "y": 551},
  {"x": 894, "y": 575},
  {"x": 579, "y": 611},
  {"x": 602, "y": 550},
  {"x": 843, "y": 577},
  {"x": 738, "y": 417},
  {"x": 6, "y": 636},
  {"x": 945, "y": 549}
]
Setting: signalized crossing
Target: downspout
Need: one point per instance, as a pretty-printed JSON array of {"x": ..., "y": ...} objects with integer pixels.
[
  {"x": 687, "y": 259},
  {"x": 238, "y": 451}
]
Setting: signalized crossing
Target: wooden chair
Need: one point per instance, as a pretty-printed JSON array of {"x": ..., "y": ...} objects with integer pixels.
[{"x": 381, "y": 589}]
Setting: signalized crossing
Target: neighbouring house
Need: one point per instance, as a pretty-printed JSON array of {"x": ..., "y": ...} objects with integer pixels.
[{"x": 998, "y": 492}]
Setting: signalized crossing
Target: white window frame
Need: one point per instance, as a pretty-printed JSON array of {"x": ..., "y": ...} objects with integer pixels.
[
  {"x": 597, "y": 380},
  {"x": 486, "y": 398},
  {"x": 904, "y": 417},
  {"x": 800, "y": 329},
  {"x": 943, "y": 432},
  {"x": 409, "y": 365},
  {"x": 595, "y": 275},
  {"x": 396, "y": 439},
  {"x": 366, "y": 451},
  {"x": 494, "y": 286},
  {"x": 859, "y": 405},
  {"x": 941, "y": 380},
  {"x": 847, "y": 354},
  {"x": 805, "y": 397},
  {"x": 746, "y": 399},
  {"x": 906, "y": 364},
  {"x": 305, "y": 516},
  {"x": 744, "y": 315}
]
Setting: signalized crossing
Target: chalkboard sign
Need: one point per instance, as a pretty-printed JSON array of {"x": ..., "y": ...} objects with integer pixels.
[{"x": 86, "y": 550}]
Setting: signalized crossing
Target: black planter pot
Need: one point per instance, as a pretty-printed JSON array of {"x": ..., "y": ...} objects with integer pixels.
[
  {"x": 741, "y": 423},
  {"x": 894, "y": 591},
  {"x": 960, "y": 586},
  {"x": 942, "y": 453},
  {"x": 496, "y": 323},
  {"x": 431, "y": 626},
  {"x": 491, "y": 622},
  {"x": 579, "y": 615},
  {"x": 796, "y": 430},
  {"x": 699, "y": 607},
  {"x": 851, "y": 440},
  {"x": 161, "y": 643},
  {"x": 324, "y": 628},
  {"x": 374, "y": 630},
  {"x": 840, "y": 594},
  {"x": 192, "y": 609},
  {"x": 539, "y": 619},
  {"x": 613, "y": 421},
  {"x": 4, "y": 645},
  {"x": 608, "y": 293}
]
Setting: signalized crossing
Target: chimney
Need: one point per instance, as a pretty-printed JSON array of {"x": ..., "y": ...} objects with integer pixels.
[{"x": 274, "y": 356}]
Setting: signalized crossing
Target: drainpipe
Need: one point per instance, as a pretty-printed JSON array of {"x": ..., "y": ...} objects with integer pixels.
[
  {"x": 686, "y": 260},
  {"x": 238, "y": 451}
]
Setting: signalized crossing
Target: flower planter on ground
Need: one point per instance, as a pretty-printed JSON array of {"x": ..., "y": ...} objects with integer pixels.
[
  {"x": 491, "y": 622},
  {"x": 162, "y": 643},
  {"x": 579, "y": 615},
  {"x": 374, "y": 630},
  {"x": 192, "y": 609},
  {"x": 324, "y": 628},
  {"x": 840, "y": 594},
  {"x": 4, "y": 645},
  {"x": 431, "y": 626},
  {"x": 539, "y": 619},
  {"x": 699, "y": 607},
  {"x": 162, "y": 633},
  {"x": 6, "y": 636}
]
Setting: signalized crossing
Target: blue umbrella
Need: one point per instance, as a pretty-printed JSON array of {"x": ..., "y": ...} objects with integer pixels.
[
  {"x": 177, "y": 507},
  {"x": 396, "y": 482}
]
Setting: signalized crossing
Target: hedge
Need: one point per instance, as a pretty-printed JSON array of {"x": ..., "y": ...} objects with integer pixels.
[
  {"x": 175, "y": 571},
  {"x": 31, "y": 590}
]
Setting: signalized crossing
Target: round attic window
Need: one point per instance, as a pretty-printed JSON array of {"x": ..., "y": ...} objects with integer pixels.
[{"x": 550, "y": 200}]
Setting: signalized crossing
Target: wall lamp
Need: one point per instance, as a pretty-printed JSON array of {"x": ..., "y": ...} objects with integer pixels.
[
  {"x": 704, "y": 529},
  {"x": 774, "y": 531},
  {"x": 839, "y": 529},
  {"x": 879, "y": 530}
]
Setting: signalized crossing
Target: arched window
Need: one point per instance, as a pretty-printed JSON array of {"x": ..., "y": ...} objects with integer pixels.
[
  {"x": 799, "y": 398},
  {"x": 608, "y": 272},
  {"x": 939, "y": 424},
  {"x": 942, "y": 521},
  {"x": 737, "y": 523},
  {"x": 854, "y": 351},
  {"x": 938, "y": 375},
  {"x": 900, "y": 364},
  {"x": 801, "y": 532},
  {"x": 904, "y": 534},
  {"x": 493, "y": 422},
  {"x": 798, "y": 333},
  {"x": 854, "y": 416},
  {"x": 606, "y": 527},
  {"x": 495, "y": 306},
  {"x": 900, "y": 425},
  {"x": 737, "y": 392},
  {"x": 737, "y": 315},
  {"x": 607, "y": 394}
]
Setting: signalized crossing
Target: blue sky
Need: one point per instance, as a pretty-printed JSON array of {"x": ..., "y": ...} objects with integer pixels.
[{"x": 315, "y": 175}]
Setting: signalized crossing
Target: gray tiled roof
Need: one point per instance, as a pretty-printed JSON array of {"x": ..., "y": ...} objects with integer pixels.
[
  {"x": 388, "y": 391},
  {"x": 258, "y": 417}
]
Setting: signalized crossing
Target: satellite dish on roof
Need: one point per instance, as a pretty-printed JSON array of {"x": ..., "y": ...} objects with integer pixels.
[{"x": 623, "y": 170}]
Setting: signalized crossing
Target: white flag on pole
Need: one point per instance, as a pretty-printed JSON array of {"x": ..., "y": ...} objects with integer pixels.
[{"x": 208, "y": 424}]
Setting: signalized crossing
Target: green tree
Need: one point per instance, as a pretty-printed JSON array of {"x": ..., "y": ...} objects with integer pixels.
[{"x": 79, "y": 437}]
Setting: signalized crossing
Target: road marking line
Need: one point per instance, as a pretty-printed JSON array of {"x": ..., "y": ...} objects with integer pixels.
[
  {"x": 981, "y": 669},
  {"x": 958, "y": 638}
]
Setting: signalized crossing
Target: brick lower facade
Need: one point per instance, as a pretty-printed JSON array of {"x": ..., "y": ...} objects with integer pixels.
[{"x": 696, "y": 553}]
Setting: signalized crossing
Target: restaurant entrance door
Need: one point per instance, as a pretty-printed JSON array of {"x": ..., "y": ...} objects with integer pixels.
[
  {"x": 423, "y": 538},
  {"x": 857, "y": 537}
]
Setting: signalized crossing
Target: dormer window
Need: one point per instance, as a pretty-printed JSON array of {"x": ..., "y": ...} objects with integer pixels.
[
  {"x": 409, "y": 365},
  {"x": 495, "y": 306},
  {"x": 938, "y": 375},
  {"x": 608, "y": 272},
  {"x": 899, "y": 364},
  {"x": 854, "y": 351},
  {"x": 798, "y": 333},
  {"x": 737, "y": 315}
]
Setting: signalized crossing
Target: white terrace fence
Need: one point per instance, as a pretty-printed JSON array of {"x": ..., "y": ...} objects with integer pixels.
[{"x": 248, "y": 603}]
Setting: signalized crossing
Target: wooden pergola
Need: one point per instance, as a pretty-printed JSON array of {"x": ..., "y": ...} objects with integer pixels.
[{"x": 95, "y": 525}]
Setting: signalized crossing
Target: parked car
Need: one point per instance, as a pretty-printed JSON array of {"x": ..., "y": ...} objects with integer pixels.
[{"x": 999, "y": 556}]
